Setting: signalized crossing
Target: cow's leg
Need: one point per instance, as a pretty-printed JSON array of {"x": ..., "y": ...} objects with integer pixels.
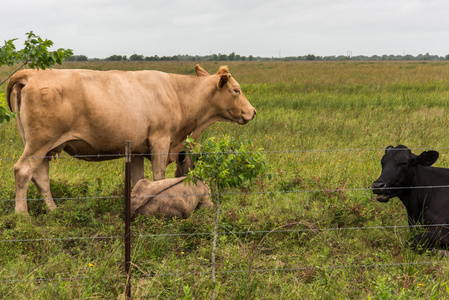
[
  {"x": 159, "y": 158},
  {"x": 424, "y": 240},
  {"x": 137, "y": 169},
  {"x": 23, "y": 172},
  {"x": 445, "y": 238},
  {"x": 41, "y": 179},
  {"x": 22, "y": 179}
]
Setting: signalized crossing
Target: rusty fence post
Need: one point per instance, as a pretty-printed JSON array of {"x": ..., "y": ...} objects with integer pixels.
[{"x": 128, "y": 219}]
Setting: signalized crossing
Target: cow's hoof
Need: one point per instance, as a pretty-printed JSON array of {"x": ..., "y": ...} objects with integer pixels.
[
  {"x": 52, "y": 208},
  {"x": 22, "y": 212}
]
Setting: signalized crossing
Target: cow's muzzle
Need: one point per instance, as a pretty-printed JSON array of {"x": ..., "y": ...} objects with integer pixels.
[
  {"x": 383, "y": 194},
  {"x": 246, "y": 119}
]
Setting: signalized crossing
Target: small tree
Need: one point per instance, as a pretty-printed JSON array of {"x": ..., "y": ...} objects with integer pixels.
[
  {"x": 78, "y": 58},
  {"x": 224, "y": 163},
  {"x": 310, "y": 57},
  {"x": 115, "y": 58},
  {"x": 222, "y": 57},
  {"x": 136, "y": 57},
  {"x": 35, "y": 54}
]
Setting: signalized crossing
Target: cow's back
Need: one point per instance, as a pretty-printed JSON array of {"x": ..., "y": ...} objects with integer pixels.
[{"x": 95, "y": 111}]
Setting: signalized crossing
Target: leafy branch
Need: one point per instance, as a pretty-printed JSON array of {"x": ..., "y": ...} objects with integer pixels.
[
  {"x": 224, "y": 163},
  {"x": 35, "y": 54}
]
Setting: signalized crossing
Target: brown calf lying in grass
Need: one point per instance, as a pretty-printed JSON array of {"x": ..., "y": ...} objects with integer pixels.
[{"x": 171, "y": 197}]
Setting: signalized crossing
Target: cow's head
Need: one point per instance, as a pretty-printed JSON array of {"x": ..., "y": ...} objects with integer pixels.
[
  {"x": 398, "y": 171},
  {"x": 228, "y": 99}
]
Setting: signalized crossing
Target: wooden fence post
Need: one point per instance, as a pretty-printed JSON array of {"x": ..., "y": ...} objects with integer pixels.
[{"x": 128, "y": 219}]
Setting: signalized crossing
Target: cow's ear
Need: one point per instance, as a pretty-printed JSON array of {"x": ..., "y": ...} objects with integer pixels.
[
  {"x": 427, "y": 158},
  {"x": 224, "y": 78},
  {"x": 200, "y": 72},
  {"x": 223, "y": 72},
  {"x": 388, "y": 148}
]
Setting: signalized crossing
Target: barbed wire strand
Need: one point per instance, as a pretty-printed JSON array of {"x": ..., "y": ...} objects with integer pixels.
[
  {"x": 294, "y": 230},
  {"x": 253, "y": 232},
  {"x": 64, "y": 239},
  {"x": 234, "y": 271},
  {"x": 242, "y": 193},
  {"x": 120, "y": 155},
  {"x": 308, "y": 268}
]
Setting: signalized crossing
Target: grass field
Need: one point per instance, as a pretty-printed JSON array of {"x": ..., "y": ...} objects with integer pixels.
[{"x": 323, "y": 125}]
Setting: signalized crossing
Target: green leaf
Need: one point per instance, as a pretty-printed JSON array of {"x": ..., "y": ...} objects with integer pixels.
[
  {"x": 35, "y": 54},
  {"x": 227, "y": 162}
]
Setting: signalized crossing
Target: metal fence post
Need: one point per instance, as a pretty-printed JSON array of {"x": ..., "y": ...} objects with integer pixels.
[{"x": 128, "y": 219}]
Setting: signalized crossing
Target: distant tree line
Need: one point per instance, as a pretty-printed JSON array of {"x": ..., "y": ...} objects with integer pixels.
[
  {"x": 78, "y": 58},
  {"x": 235, "y": 57},
  {"x": 212, "y": 57}
]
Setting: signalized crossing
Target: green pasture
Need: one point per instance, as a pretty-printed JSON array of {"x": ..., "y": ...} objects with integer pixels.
[{"x": 323, "y": 126}]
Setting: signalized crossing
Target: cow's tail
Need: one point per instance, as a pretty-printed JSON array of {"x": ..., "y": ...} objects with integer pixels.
[{"x": 14, "y": 96}]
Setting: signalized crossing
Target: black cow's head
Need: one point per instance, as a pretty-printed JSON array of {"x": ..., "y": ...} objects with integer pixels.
[{"x": 398, "y": 171}]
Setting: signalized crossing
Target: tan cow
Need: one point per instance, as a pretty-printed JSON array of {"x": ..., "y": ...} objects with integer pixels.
[
  {"x": 171, "y": 197},
  {"x": 92, "y": 113}
]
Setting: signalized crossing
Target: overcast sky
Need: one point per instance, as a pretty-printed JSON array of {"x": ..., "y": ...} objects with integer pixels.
[{"x": 267, "y": 28}]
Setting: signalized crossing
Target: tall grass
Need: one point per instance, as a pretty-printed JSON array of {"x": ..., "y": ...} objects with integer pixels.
[{"x": 324, "y": 126}]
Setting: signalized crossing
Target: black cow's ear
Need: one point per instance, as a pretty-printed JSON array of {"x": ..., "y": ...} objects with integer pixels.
[
  {"x": 388, "y": 148},
  {"x": 427, "y": 158}
]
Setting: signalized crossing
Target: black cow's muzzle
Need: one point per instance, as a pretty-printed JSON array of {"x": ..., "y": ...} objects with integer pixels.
[{"x": 383, "y": 194}]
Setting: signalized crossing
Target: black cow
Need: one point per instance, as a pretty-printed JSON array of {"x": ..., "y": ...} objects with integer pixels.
[{"x": 421, "y": 188}]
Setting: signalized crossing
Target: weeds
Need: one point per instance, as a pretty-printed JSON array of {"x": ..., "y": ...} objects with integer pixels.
[{"x": 328, "y": 106}]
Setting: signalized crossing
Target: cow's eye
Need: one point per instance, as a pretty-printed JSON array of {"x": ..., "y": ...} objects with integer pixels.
[{"x": 237, "y": 91}]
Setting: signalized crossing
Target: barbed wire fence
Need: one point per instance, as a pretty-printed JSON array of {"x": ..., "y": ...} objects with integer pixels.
[{"x": 123, "y": 237}]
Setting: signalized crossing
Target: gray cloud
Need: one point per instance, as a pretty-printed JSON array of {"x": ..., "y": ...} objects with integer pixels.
[{"x": 100, "y": 28}]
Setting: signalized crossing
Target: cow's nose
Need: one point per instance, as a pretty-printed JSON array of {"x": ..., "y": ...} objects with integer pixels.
[
  {"x": 379, "y": 185},
  {"x": 255, "y": 113}
]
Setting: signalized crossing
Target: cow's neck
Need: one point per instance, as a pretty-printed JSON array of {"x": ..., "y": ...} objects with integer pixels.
[
  {"x": 415, "y": 199},
  {"x": 195, "y": 102}
]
